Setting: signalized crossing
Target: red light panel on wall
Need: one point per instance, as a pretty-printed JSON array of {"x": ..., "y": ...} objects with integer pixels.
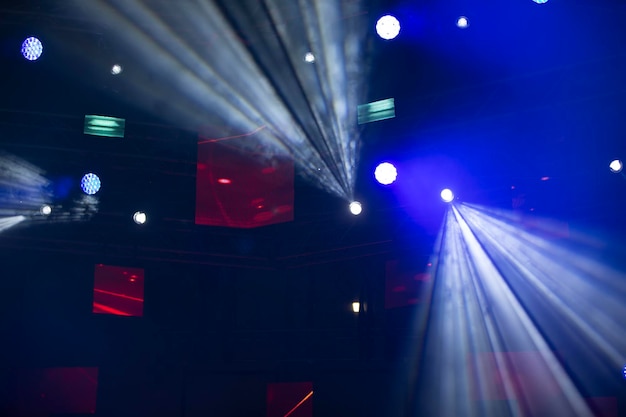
[
  {"x": 291, "y": 399},
  {"x": 404, "y": 285},
  {"x": 49, "y": 391},
  {"x": 242, "y": 189},
  {"x": 118, "y": 290}
]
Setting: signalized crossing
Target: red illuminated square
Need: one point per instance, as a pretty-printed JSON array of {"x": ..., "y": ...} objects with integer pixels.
[
  {"x": 118, "y": 290},
  {"x": 242, "y": 189},
  {"x": 404, "y": 285},
  {"x": 44, "y": 392},
  {"x": 290, "y": 399}
]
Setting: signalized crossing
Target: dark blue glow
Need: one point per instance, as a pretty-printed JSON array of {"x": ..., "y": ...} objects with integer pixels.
[
  {"x": 32, "y": 48},
  {"x": 90, "y": 184}
]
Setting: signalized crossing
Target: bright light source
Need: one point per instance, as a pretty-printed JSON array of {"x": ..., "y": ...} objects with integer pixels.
[
  {"x": 540, "y": 1},
  {"x": 309, "y": 57},
  {"x": 356, "y": 306},
  {"x": 224, "y": 181},
  {"x": 107, "y": 126},
  {"x": 388, "y": 27},
  {"x": 356, "y": 208},
  {"x": 140, "y": 217},
  {"x": 45, "y": 209},
  {"x": 385, "y": 173},
  {"x": 116, "y": 69},
  {"x": 616, "y": 166},
  {"x": 462, "y": 22},
  {"x": 447, "y": 195},
  {"x": 32, "y": 48},
  {"x": 90, "y": 184}
]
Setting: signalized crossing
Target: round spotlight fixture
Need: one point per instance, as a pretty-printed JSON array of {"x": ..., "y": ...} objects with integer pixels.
[
  {"x": 45, "y": 210},
  {"x": 624, "y": 371},
  {"x": 447, "y": 195},
  {"x": 385, "y": 173},
  {"x": 140, "y": 217},
  {"x": 540, "y": 1},
  {"x": 309, "y": 57},
  {"x": 388, "y": 27},
  {"x": 462, "y": 22},
  {"x": 90, "y": 184},
  {"x": 116, "y": 69},
  {"x": 32, "y": 48},
  {"x": 356, "y": 208},
  {"x": 616, "y": 166}
]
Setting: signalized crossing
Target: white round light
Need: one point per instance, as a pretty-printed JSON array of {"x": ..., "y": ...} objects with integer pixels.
[
  {"x": 616, "y": 166},
  {"x": 540, "y": 1},
  {"x": 116, "y": 69},
  {"x": 309, "y": 57},
  {"x": 388, "y": 27},
  {"x": 447, "y": 195},
  {"x": 140, "y": 217},
  {"x": 385, "y": 173},
  {"x": 356, "y": 208},
  {"x": 462, "y": 22},
  {"x": 45, "y": 210}
]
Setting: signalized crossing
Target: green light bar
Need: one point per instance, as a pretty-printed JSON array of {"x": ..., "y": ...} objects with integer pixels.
[
  {"x": 376, "y": 110},
  {"x": 104, "y": 126}
]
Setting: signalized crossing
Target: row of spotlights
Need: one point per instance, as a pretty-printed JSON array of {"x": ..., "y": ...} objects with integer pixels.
[{"x": 356, "y": 208}]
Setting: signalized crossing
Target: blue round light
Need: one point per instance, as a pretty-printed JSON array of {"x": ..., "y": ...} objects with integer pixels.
[
  {"x": 90, "y": 184},
  {"x": 32, "y": 48},
  {"x": 540, "y": 1}
]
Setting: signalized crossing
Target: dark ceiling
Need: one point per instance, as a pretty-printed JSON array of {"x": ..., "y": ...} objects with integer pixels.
[{"x": 526, "y": 92}]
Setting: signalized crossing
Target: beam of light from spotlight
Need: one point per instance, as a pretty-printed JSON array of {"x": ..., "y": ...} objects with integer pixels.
[
  {"x": 502, "y": 289},
  {"x": 7, "y": 222},
  {"x": 309, "y": 111}
]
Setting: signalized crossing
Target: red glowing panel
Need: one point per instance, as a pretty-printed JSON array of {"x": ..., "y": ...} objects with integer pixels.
[
  {"x": 291, "y": 399},
  {"x": 242, "y": 189},
  {"x": 525, "y": 373},
  {"x": 404, "y": 285},
  {"x": 118, "y": 290},
  {"x": 49, "y": 391}
]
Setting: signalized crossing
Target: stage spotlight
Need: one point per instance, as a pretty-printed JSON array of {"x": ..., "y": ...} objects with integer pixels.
[
  {"x": 116, "y": 69},
  {"x": 388, "y": 27},
  {"x": 616, "y": 166},
  {"x": 624, "y": 371},
  {"x": 32, "y": 48},
  {"x": 385, "y": 173},
  {"x": 45, "y": 210},
  {"x": 356, "y": 307},
  {"x": 356, "y": 208},
  {"x": 462, "y": 22},
  {"x": 540, "y": 1},
  {"x": 140, "y": 217},
  {"x": 447, "y": 195},
  {"x": 309, "y": 57},
  {"x": 90, "y": 184}
]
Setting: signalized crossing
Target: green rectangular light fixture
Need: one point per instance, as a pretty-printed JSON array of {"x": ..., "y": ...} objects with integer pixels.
[
  {"x": 112, "y": 127},
  {"x": 376, "y": 110}
]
